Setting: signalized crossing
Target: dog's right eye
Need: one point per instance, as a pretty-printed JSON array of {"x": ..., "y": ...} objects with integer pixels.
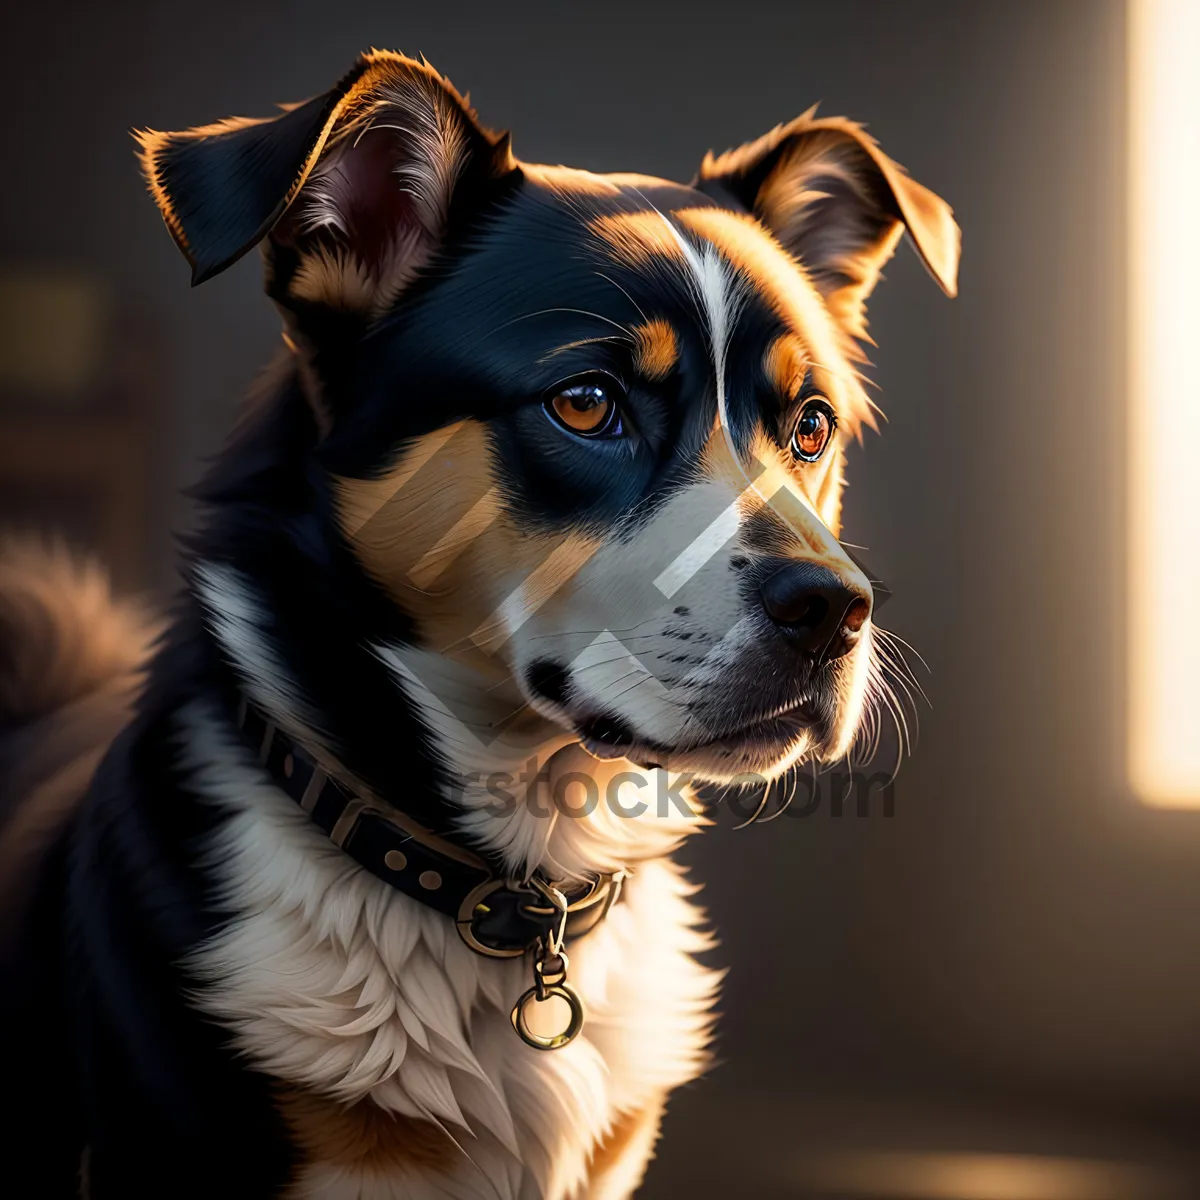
[
  {"x": 588, "y": 408},
  {"x": 813, "y": 431}
]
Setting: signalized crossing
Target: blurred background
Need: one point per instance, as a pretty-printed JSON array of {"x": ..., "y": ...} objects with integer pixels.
[{"x": 992, "y": 994}]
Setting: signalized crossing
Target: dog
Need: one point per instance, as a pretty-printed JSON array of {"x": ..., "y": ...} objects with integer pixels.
[{"x": 531, "y": 531}]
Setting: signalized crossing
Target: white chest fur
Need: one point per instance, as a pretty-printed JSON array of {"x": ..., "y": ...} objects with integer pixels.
[{"x": 333, "y": 982}]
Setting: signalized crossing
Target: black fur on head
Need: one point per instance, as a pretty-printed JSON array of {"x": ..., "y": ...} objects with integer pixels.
[{"x": 515, "y": 395}]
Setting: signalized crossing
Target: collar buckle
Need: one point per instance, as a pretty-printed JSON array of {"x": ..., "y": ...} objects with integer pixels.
[{"x": 502, "y": 918}]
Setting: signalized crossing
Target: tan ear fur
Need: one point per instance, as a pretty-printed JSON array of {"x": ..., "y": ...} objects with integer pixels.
[{"x": 840, "y": 205}]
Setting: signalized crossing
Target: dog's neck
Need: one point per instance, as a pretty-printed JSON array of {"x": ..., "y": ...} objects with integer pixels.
[
  {"x": 525, "y": 788},
  {"x": 332, "y": 662}
]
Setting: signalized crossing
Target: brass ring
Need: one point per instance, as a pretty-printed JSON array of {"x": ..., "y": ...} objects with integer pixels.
[
  {"x": 465, "y": 922},
  {"x": 565, "y": 992}
]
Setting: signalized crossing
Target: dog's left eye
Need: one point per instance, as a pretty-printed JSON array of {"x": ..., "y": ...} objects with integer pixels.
[
  {"x": 813, "y": 431},
  {"x": 588, "y": 408}
]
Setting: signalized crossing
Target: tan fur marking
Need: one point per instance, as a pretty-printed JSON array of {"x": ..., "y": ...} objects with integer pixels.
[
  {"x": 786, "y": 364},
  {"x": 395, "y": 520},
  {"x": 657, "y": 349},
  {"x": 335, "y": 279},
  {"x": 782, "y": 283},
  {"x": 776, "y": 511},
  {"x": 567, "y": 181},
  {"x": 363, "y": 498},
  {"x": 437, "y": 540},
  {"x": 620, "y": 1159},
  {"x": 849, "y": 304},
  {"x": 361, "y": 1136},
  {"x": 637, "y": 238}
]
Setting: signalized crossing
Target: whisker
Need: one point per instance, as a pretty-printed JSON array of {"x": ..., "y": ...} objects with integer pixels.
[
  {"x": 894, "y": 636},
  {"x": 594, "y": 632},
  {"x": 758, "y": 811},
  {"x": 793, "y": 775},
  {"x": 579, "y": 312},
  {"x": 611, "y": 337},
  {"x": 624, "y": 292}
]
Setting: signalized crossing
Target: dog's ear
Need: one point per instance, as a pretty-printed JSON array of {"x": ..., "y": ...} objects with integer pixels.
[
  {"x": 352, "y": 189},
  {"x": 839, "y": 205}
]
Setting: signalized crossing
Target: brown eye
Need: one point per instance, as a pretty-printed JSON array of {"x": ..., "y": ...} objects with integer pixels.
[
  {"x": 588, "y": 409},
  {"x": 813, "y": 431}
]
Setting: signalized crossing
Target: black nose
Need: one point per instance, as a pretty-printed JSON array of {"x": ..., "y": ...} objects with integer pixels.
[{"x": 821, "y": 611}]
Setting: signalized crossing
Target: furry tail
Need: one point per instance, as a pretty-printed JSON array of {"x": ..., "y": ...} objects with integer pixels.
[
  {"x": 63, "y": 635},
  {"x": 71, "y": 658}
]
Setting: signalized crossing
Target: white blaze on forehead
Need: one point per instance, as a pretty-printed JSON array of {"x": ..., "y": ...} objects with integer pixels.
[
  {"x": 714, "y": 284},
  {"x": 712, "y": 280}
]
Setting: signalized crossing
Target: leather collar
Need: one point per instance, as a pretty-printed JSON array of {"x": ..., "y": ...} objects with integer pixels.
[{"x": 495, "y": 915}]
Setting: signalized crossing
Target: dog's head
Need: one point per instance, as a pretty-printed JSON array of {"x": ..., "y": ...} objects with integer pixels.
[{"x": 586, "y": 431}]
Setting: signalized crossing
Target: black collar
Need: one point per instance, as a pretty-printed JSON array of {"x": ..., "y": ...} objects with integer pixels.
[{"x": 496, "y": 916}]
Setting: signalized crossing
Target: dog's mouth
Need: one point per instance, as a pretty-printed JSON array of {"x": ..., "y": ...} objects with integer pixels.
[{"x": 758, "y": 742}]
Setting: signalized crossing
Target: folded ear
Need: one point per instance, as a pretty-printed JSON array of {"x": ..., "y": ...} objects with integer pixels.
[
  {"x": 353, "y": 189},
  {"x": 839, "y": 204}
]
